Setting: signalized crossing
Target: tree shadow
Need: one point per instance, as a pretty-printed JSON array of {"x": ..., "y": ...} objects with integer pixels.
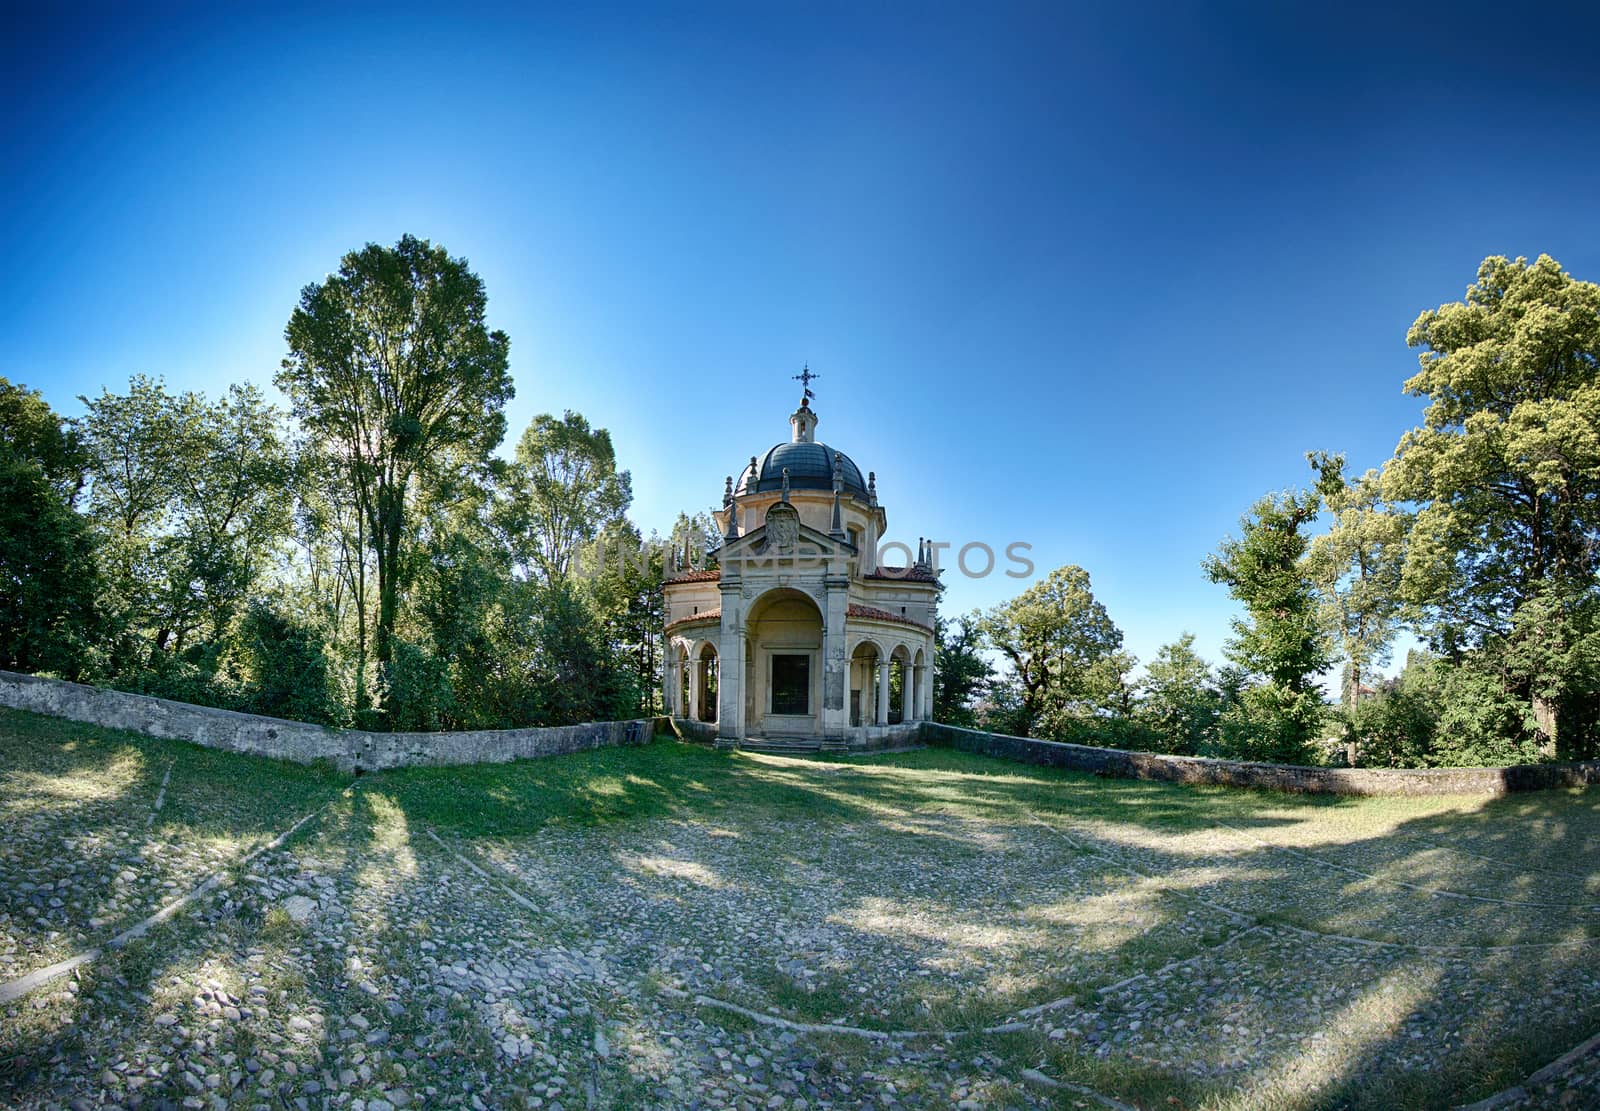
[{"x": 1225, "y": 948}]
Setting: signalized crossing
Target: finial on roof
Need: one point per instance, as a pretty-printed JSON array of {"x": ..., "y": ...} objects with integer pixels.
[
  {"x": 786, "y": 485},
  {"x": 837, "y": 529},
  {"x": 732, "y": 531},
  {"x": 872, "y": 487},
  {"x": 805, "y": 378}
]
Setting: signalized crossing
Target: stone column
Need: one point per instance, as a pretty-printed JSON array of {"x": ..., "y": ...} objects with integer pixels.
[
  {"x": 880, "y": 705},
  {"x": 908, "y": 683},
  {"x": 927, "y": 694},
  {"x": 730, "y": 693},
  {"x": 835, "y": 661},
  {"x": 694, "y": 688}
]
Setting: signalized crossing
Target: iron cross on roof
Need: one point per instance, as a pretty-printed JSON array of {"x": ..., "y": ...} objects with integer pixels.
[{"x": 805, "y": 378}]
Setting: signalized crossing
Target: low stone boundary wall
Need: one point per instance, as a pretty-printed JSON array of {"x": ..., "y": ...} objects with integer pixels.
[
  {"x": 1120, "y": 763},
  {"x": 351, "y": 750},
  {"x": 873, "y": 737},
  {"x": 705, "y": 732}
]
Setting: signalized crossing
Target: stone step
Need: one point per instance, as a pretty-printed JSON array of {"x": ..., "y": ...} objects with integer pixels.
[{"x": 782, "y": 746}]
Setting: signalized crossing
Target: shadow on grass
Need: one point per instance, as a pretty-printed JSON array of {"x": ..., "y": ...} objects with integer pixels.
[
  {"x": 1502, "y": 1012},
  {"x": 1413, "y": 1029}
]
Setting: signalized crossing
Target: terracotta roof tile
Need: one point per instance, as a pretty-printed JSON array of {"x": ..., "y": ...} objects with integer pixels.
[
  {"x": 904, "y": 575},
  {"x": 708, "y": 575},
  {"x": 697, "y": 618},
  {"x": 876, "y": 614}
]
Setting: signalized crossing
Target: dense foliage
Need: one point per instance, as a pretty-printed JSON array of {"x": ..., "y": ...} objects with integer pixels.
[
  {"x": 373, "y": 561},
  {"x": 1481, "y": 536},
  {"x": 366, "y": 559}
]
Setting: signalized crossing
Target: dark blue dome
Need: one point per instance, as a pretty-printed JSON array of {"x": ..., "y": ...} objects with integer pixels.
[{"x": 810, "y": 468}]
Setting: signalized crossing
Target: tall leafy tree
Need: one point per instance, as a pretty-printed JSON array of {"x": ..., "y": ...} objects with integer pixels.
[
  {"x": 566, "y": 491},
  {"x": 626, "y": 590},
  {"x": 393, "y": 368},
  {"x": 231, "y": 476},
  {"x": 131, "y": 440},
  {"x": 50, "y": 613},
  {"x": 192, "y": 496},
  {"x": 1065, "y": 652},
  {"x": 31, "y": 431},
  {"x": 1281, "y": 639},
  {"x": 574, "y": 663},
  {"x": 1179, "y": 700},
  {"x": 1505, "y": 474},
  {"x": 963, "y": 674},
  {"x": 1357, "y": 566}
]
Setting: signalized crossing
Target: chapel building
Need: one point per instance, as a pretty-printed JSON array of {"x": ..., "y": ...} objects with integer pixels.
[{"x": 798, "y": 638}]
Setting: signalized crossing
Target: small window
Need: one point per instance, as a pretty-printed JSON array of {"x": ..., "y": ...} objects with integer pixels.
[{"x": 791, "y": 684}]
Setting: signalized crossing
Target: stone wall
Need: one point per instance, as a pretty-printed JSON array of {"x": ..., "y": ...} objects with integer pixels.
[
  {"x": 873, "y": 737},
  {"x": 1121, "y": 764},
  {"x": 705, "y": 732},
  {"x": 350, "y": 750}
]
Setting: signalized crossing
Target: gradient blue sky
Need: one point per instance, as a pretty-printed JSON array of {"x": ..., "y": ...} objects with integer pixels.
[{"x": 1092, "y": 277}]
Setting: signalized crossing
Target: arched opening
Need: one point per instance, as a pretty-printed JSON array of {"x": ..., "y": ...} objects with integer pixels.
[
  {"x": 707, "y": 675},
  {"x": 784, "y": 638},
  {"x": 864, "y": 695},
  {"x": 899, "y": 685},
  {"x": 684, "y": 676}
]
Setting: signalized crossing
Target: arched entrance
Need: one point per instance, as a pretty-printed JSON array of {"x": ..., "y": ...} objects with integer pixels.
[
  {"x": 900, "y": 683},
  {"x": 706, "y": 676},
  {"x": 683, "y": 675},
  {"x": 869, "y": 690},
  {"x": 783, "y": 665}
]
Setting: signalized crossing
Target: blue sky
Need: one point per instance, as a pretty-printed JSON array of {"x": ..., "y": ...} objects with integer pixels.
[{"x": 1091, "y": 277}]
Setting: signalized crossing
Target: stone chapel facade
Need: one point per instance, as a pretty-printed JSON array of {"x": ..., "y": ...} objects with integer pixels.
[{"x": 798, "y": 638}]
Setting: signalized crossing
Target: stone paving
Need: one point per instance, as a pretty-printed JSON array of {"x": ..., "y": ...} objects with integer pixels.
[{"x": 919, "y": 931}]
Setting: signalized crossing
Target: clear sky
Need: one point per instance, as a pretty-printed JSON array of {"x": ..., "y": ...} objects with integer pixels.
[{"x": 1092, "y": 277}]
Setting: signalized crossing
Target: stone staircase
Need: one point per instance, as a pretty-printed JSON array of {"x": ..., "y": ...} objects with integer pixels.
[{"x": 785, "y": 746}]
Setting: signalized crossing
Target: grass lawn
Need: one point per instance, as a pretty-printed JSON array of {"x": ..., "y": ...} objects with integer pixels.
[{"x": 921, "y": 929}]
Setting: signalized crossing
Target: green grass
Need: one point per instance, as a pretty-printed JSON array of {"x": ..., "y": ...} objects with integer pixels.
[{"x": 947, "y": 813}]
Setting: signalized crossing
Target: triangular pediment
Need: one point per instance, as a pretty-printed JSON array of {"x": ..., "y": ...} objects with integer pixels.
[{"x": 766, "y": 543}]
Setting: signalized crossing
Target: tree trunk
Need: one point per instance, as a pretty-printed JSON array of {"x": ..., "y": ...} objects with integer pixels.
[
  {"x": 391, "y": 514},
  {"x": 1544, "y": 717}
]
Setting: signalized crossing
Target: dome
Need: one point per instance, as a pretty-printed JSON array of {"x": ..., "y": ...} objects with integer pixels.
[{"x": 810, "y": 467}]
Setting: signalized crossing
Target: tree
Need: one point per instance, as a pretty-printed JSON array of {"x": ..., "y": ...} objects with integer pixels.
[
  {"x": 230, "y": 472},
  {"x": 130, "y": 440},
  {"x": 577, "y": 672},
  {"x": 1179, "y": 702},
  {"x": 392, "y": 367},
  {"x": 284, "y": 669},
  {"x": 566, "y": 490},
  {"x": 626, "y": 593},
  {"x": 50, "y": 586},
  {"x": 31, "y": 431},
  {"x": 1505, "y": 471},
  {"x": 1357, "y": 566},
  {"x": 191, "y": 496},
  {"x": 1282, "y": 640},
  {"x": 962, "y": 675},
  {"x": 1065, "y": 651}
]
